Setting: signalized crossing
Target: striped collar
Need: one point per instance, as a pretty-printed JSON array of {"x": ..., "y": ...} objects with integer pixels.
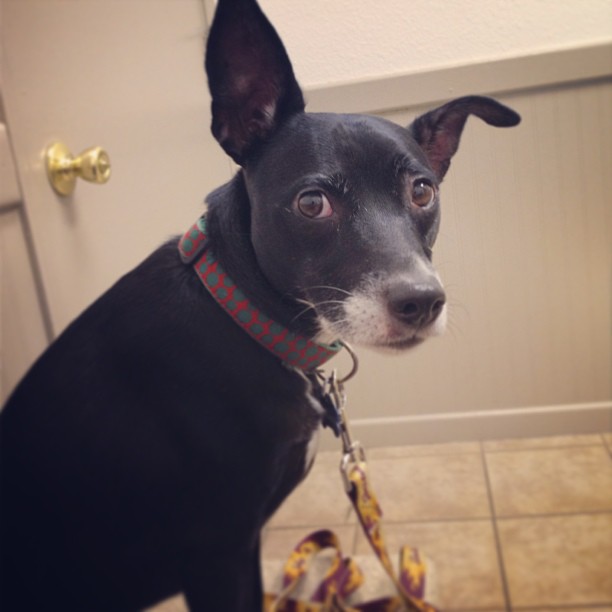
[{"x": 293, "y": 349}]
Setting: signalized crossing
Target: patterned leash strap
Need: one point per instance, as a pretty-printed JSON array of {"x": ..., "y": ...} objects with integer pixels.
[
  {"x": 341, "y": 579},
  {"x": 410, "y": 580},
  {"x": 343, "y": 576}
]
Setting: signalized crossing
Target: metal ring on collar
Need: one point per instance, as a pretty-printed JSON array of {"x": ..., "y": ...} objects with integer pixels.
[{"x": 355, "y": 367}]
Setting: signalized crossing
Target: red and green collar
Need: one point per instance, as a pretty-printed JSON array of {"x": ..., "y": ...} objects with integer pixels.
[{"x": 294, "y": 350}]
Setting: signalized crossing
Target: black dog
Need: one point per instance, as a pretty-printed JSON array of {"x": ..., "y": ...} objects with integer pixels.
[{"x": 147, "y": 447}]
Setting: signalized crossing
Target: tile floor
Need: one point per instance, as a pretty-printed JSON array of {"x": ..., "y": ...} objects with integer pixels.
[
  {"x": 511, "y": 525},
  {"x": 508, "y": 525}
]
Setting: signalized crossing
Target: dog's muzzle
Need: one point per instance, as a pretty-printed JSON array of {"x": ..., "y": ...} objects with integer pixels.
[{"x": 397, "y": 312}]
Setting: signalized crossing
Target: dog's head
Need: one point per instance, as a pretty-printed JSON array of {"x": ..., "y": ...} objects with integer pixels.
[{"x": 344, "y": 209}]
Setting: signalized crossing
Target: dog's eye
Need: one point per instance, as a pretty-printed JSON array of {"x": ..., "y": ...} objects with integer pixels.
[
  {"x": 423, "y": 193},
  {"x": 314, "y": 205}
]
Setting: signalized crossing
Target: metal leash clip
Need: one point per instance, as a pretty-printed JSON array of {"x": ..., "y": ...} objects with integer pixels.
[{"x": 352, "y": 451}]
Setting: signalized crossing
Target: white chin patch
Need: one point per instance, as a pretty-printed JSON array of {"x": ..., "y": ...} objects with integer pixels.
[{"x": 365, "y": 319}]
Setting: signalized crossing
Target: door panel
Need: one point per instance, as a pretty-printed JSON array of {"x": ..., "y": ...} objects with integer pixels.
[
  {"x": 128, "y": 76},
  {"x": 22, "y": 330}
]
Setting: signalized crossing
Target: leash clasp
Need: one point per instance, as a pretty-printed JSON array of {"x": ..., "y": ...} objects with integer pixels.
[
  {"x": 352, "y": 451},
  {"x": 334, "y": 398}
]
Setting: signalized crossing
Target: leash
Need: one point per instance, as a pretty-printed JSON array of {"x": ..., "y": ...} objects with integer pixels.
[{"x": 344, "y": 577}]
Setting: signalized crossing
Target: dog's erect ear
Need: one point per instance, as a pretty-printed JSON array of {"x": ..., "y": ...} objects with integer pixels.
[
  {"x": 438, "y": 132},
  {"x": 250, "y": 77}
]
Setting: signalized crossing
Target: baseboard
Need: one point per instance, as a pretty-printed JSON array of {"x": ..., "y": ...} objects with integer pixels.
[{"x": 533, "y": 421}]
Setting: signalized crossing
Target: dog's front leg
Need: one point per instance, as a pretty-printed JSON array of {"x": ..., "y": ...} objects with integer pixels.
[{"x": 230, "y": 582}]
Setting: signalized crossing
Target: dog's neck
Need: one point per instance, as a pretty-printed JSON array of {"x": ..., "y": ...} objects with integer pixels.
[
  {"x": 229, "y": 256},
  {"x": 229, "y": 228}
]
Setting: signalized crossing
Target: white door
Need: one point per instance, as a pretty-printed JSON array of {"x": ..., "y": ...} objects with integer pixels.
[{"x": 126, "y": 75}]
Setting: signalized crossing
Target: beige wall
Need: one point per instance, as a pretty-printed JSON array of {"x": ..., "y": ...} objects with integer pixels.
[{"x": 332, "y": 41}]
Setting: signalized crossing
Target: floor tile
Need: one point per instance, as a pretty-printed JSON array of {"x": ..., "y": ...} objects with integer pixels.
[
  {"x": 451, "y": 448},
  {"x": 464, "y": 564},
  {"x": 319, "y": 500},
  {"x": 430, "y": 487},
  {"x": 547, "y": 442},
  {"x": 561, "y": 560},
  {"x": 550, "y": 481},
  {"x": 329, "y": 457}
]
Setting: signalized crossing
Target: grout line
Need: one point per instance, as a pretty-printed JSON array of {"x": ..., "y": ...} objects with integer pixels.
[
  {"x": 560, "y": 607},
  {"x": 351, "y": 516},
  {"x": 498, "y": 545},
  {"x": 9, "y": 208},
  {"x": 414, "y": 521},
  {"x": 377, "y": 453},
  {"x": 520, "y": 517},
  {"x": 442, "y": 521},
  {"x": 605, "y": 444},
  {"x": 356, "y": 532},
  {"x": 445, "y": 520},
  {"x": 593, "y": 444}
]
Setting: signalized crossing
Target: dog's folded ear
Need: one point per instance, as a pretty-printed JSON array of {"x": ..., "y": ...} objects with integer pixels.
[
  {"x": 438, "y": 132},
  {"x": 250, "y": 77}
]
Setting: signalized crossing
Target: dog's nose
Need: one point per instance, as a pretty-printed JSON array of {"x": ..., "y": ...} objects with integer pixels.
[{"x": 416, "y": 304}]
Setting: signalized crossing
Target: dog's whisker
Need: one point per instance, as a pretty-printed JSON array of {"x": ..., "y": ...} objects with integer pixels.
[
  {"x": 334, "y": 302},
  {"x": 303, "y": 312},
  {"x": 306, "y": 302},
  {"x": 315, "y": 306},
  {"x": 332, "y": 288}
]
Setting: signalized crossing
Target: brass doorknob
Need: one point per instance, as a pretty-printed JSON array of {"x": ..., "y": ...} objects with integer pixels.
[{"x": 92, "y": 165}]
